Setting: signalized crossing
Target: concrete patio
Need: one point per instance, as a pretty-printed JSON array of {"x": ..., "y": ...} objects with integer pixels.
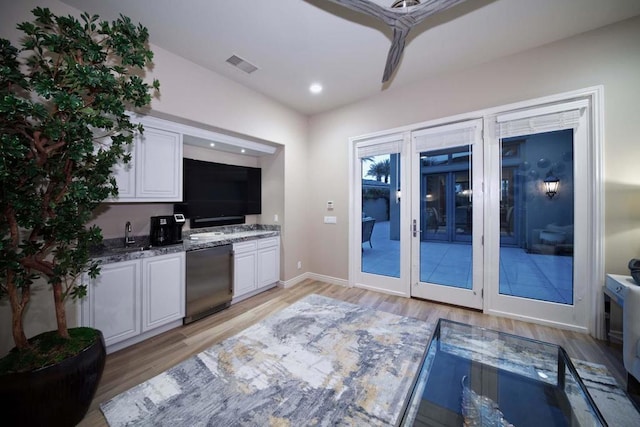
[{"x": 535, "y": 276}]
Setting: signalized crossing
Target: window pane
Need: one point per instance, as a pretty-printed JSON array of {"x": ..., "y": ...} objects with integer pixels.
[
  {"x": 381, "y": 215},
  {"x": 536, "y": 226}
]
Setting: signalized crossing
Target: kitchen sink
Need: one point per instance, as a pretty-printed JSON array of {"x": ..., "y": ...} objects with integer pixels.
[{"x": 123, "y": 250}]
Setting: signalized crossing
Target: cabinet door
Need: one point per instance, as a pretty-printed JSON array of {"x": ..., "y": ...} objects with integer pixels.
[
  {"x": 163, "y": 290},
  {"x": 244, "y": 273},
  {"x": 159, "y": 165},
  {"x": 112, "y": 304},
  {"x": 125, "y": 176},
  {"x": 268, "y": 262}
]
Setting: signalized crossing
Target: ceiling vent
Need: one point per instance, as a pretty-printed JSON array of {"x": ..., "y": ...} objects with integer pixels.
[{"x": 245, "y": 66}]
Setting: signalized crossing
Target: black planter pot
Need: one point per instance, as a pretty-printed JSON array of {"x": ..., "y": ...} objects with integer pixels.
[{"x": 57, "y": 395}]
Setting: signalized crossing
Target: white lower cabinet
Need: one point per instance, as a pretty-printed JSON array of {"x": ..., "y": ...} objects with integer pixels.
[
  {"x": 268, "y": 261},
  {"x": 256, "y": 266},
  {"x": 133, "y": 300},
  {"x": 245, "y": 266},
  {"x": 163, "y": 290},
  {"x": 113, "y": 301}
]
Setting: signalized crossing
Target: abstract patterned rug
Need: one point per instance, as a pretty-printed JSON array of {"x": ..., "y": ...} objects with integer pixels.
[
  {"x": 610, "y": 398},
  {"x": 317, "y": 362}
]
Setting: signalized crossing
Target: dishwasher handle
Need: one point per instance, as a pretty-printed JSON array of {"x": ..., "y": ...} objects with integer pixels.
[{"x": 232, "y": 263}]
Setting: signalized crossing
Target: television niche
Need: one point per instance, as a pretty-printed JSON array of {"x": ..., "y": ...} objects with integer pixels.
[{"x": 219, "y": 194}]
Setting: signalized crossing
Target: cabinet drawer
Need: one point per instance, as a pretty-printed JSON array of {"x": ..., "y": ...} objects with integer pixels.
[
  {"x": 268, "y": 242},
  {"x": 245, "y": 246}
]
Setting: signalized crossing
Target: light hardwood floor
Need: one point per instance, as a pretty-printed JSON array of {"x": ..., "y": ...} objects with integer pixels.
[{"x": 133, "y": 365}]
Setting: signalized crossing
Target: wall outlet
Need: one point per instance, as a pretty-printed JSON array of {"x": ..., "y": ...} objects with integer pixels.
[
  {"x": 330, "y": 220},
  {"x": 299, "y": 265}
]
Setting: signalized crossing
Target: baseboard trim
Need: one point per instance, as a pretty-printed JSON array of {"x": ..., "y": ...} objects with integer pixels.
[
  {"x": 293, "y": 281},
  {"x": 381, "y": 290},
  {"x": 530, "y": 319},
  {"x": 313, "y": 276},
  {"x": 329, "y": 279}
]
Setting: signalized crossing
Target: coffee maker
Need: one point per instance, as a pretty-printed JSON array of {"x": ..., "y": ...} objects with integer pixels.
[{"x": 166, "y": 229}]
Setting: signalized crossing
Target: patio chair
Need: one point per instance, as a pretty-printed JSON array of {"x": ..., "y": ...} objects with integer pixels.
[{"x": 367, "y": 229}]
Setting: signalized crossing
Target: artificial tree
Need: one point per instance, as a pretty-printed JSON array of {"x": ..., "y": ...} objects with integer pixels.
[{"x": 64, "y": 98}]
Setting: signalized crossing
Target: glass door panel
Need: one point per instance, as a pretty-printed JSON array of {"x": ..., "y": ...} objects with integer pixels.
[
  {"x": 463, "y": 212},
  {"x": 508, "y": 206},
  {"x": 380, "y": 221},
  {"x": 381, "y": 248},
  {"x": 444, "y": 260},
  {"x": 536, "y": 255},
  {"x": 433, "y": 216}
]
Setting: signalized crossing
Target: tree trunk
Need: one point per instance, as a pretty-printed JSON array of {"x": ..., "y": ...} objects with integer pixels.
[
  {"x": 17, "y": 312},
  {"x": 61, "y": 316}
]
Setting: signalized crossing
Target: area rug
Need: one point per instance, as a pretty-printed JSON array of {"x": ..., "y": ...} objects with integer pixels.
[
  {"x": 319, "y": 362},
  {"x": 610, "y": 398}
]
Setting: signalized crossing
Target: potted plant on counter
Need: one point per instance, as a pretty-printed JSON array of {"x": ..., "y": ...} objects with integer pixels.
[{"x": 63, "y": 126}]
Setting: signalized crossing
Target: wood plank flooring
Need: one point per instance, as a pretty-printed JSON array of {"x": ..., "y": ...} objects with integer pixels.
[{"x": 133, "y": 365}]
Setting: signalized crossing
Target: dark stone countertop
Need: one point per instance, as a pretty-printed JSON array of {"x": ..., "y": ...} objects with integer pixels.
[{"x": 113, "y": 250}]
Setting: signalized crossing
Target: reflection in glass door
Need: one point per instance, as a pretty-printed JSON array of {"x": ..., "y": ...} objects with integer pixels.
[
  {"x": 445, "y": 248},
  {"x": 447, "y": 211},
  {"x": 380, "y": 221},
  {"x": 510, "y": 186},
  {"x": 536, "y": 255},
  {"x": 446, "y": 255}
]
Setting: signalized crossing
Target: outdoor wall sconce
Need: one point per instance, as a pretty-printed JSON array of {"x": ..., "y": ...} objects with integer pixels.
[{"x": 551, "y": 184}]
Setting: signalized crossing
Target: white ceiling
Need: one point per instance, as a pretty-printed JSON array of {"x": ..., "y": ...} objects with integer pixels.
[{"x": 296, "y": 42}]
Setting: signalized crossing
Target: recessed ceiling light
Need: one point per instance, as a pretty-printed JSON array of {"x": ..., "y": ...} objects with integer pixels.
[
  {"x": 243, "y": 150},
  {"x": 315, "y": 88},
  {"x": 213, "y": 144}
]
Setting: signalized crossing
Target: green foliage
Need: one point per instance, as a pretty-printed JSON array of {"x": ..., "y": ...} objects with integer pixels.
[
  {"x": 375, "y": 193},
  {"x": 63, "y": 125}
]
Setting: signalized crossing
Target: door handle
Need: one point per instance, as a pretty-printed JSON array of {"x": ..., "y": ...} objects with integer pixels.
[{"x": 232, "y": 266}]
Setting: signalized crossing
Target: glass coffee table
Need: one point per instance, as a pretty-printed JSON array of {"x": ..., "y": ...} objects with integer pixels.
[{"x": 475, "y": 376}]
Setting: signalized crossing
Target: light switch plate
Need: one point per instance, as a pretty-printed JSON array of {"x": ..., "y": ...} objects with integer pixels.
[{"x": 330, "y": 220}]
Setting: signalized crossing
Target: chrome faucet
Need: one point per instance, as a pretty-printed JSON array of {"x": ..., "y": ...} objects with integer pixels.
[{"x": 128, "y": 240}]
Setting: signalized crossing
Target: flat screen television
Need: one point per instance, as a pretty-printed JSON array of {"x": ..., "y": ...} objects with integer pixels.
[{"x": 219, "y": 194}]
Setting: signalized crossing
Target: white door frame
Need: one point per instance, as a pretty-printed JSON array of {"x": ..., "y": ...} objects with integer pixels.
[
  {"x": 391, "y": 285},
  {"x": 573, "y": 316},
  {"x": 471, "y": 298}
]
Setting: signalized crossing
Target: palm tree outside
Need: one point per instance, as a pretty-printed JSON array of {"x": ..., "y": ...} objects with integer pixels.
[{"x": 380, "y": 170}]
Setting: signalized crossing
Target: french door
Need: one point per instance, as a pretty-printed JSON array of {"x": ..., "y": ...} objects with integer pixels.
[
  {"x": 382, "y": 247},
  {"x": 447, "y": 211},
  {"x": 537, "y": 248},
  {"x": 499, "y": 213}
]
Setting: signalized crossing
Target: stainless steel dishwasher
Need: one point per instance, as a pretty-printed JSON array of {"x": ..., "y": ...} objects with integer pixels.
[{"x": 209, "y": 281}]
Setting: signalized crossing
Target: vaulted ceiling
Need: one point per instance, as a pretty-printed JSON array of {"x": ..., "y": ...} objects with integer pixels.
[{"x": 295, "y": 43}]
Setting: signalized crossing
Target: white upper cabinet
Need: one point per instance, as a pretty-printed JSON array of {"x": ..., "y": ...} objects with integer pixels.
[
  {"x": 154, "y": 173},
  {"x": 125, "y": 177},
  {"x": 159, "y": 165}
]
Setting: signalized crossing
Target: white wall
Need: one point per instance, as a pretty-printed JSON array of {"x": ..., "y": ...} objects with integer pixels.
[
  {"x": 609, "y": 56},
  {"x": 194, "y": 93}
]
